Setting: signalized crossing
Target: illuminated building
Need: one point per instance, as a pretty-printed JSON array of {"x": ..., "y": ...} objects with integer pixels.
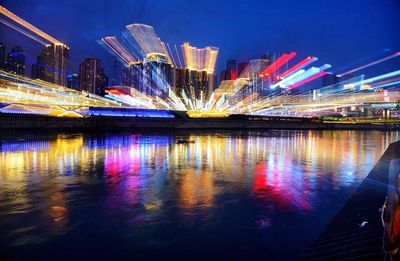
[
  {"x": 52, "y": 64},
  {"x": 73, "y": 81},
  {"x": 197, "y": 78},
  {"x": 157, "y": 75},
  {"x": 2, "y": 56},
  {"x": 16, "y": 61},
  {"x": 92, "y": 77},
  {"x": 132, "y": 76}
]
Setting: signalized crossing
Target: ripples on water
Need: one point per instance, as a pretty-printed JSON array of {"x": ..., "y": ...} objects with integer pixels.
[{"x": 257, "y": 194}]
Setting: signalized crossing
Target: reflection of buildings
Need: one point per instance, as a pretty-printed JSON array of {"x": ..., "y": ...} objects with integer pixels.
[
  {"x": 92, "y": 77},
  {"x": 285, "y": 170},
  {"x": 52, "y": 64}
]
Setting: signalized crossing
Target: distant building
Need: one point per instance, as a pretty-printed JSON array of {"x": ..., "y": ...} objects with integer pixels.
[
  {"x": 16, "y": 61},
  {"x": 329, "y": 79},
  {"x": 52, "y": 64},
  {"x": 132, "y": 76},
  {"x": 267, "y": 57},
  {"x": 2, "y": 56},
  {"x": 222, "y": 75},
  {"x": 91, "y": 76},
  {"x": 231, "y": 70},
  {"x": 241, "y": 67},
  {"x": 73, "y": 81}
]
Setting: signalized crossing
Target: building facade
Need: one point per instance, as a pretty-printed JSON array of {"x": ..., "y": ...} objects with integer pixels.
[
  {"x": 91, "y": 76},
  {"x": 16, "y": 61},
  {"x": 52, "y": 64},
  {"x": 73, "y": 81}
]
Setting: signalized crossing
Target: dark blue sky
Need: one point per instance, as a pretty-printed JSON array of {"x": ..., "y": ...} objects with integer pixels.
[{"x": 336, "y": 31}]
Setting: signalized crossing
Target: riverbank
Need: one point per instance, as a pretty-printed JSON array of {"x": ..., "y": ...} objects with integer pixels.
[
  {"x": 178, "y": 122},
  {"x": 357, "y": 232}
]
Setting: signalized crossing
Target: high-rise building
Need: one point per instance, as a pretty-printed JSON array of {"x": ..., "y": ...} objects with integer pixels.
[
  {"x": 241, "y": 67},
  {"x": 132, "y": 76},
  {"x": 158, "y": 75},
  {"x": 52, "y": 64},
  {"x": 197, "y": 78},
  {"x": 73, "y": 81},
  {"x": 91, "y": 76},
  {"x": 2, "y": 56},
  {"x": 16, "y": 61},
  {"x": 222, "y": 76},
  {"x": 231, "y": 70}
]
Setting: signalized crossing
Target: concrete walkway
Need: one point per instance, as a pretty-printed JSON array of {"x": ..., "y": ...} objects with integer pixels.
[{"x": 356, "y": 232}]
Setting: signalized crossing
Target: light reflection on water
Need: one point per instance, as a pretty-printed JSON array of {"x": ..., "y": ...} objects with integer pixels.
[{"x": 135, "y": 193}]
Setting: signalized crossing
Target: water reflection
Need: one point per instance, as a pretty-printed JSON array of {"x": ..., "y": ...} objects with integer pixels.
[{"x": 56, "y": 185}]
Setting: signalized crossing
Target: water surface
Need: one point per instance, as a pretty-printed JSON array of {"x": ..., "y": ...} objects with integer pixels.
[{"x": 229, "y": 194}]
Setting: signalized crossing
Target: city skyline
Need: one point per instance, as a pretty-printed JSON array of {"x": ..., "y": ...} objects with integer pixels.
[{"x": 322, "y": 36}]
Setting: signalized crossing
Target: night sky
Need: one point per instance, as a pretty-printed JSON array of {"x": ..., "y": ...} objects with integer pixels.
[{"x": 338, "y": 32}]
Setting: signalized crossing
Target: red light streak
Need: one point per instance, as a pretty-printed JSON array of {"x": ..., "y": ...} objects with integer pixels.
[
  {"x": 298, "y": 66},
  {"x": 278, "y": 63}
]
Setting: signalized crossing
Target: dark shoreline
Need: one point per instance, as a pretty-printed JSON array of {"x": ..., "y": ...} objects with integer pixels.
[{"x": 104, "y": 123}]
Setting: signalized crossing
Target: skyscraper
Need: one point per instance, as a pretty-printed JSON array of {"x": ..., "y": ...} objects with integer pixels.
[
  {"x": 241, "y": 67},
  {"x": 132, "y": 76},
  {"x": 16, "y": 61},
  {"x": 2, "y": 56},
  {"x": 52, "y": 64},
  {"x": 231, "y": 69},
  {"x": 91, "y": 76},
  {"x": 157, "y": 74},
  {"x": 197, "y": 78}
]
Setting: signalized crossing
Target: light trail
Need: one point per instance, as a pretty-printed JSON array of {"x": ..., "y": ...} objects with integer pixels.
[
  {"x": 29, "y": 26},
  {"x": 147, "y": 38},
  {"x": 294, "y": 75},
  {"x": 285, "y": 58},
  {"x": 199, "y": 59},
  {"x": 370, "y": 64},
  {"x": 117, "y": 49},
  {"x": 298, "y": 66},
  {"x": 23, "y": 32},
  {"x": 311, "y": 78}
]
